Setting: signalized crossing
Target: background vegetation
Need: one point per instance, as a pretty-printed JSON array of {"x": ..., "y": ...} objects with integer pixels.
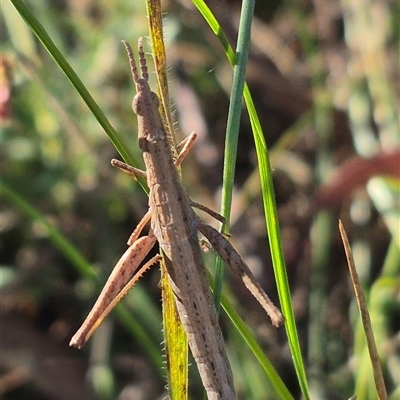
[{"x": 325, "y": 80}]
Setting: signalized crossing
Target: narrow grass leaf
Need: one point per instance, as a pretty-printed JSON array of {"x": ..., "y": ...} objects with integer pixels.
[
  {"x": 270, "y": 210},
  {"x": 58, "y": 57},
  {"x": 176, "y": 345}
]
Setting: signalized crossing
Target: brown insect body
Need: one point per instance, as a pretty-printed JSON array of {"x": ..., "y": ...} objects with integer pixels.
[{"x": 174, "y": 224}]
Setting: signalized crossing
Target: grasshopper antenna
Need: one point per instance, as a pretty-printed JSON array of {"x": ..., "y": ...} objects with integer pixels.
[
  {"x": 142, "y": 60},
  {"x": 132, "y": 62}
]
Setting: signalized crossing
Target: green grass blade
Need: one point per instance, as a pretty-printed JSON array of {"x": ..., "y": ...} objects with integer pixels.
[
  {"x": 59, "y": 240},
  {"x": 175, "y": 338},
  {"x": 216, "y": 28},
  {"x": 275, "y": 243},
  {"x": 232, "y": 130},
  {"x": 269, "y": 209},
  {"x": 176, "y": 346},
  {"x": 258, "y": 352},
  {"x": 55, "y": 53}
]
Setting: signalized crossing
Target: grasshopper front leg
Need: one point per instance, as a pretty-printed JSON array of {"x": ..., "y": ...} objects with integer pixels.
[
  {"x": 232, "y": 258},
  {"x": 184, "y": 147}
]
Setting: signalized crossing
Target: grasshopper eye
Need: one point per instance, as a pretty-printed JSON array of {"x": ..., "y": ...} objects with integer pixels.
[
  {"x": 136, "y": 105},
  {"x": 155, "y": 99}
]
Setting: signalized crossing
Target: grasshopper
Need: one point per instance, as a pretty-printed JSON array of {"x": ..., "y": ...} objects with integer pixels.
[{"x": 175, "y": 226}]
